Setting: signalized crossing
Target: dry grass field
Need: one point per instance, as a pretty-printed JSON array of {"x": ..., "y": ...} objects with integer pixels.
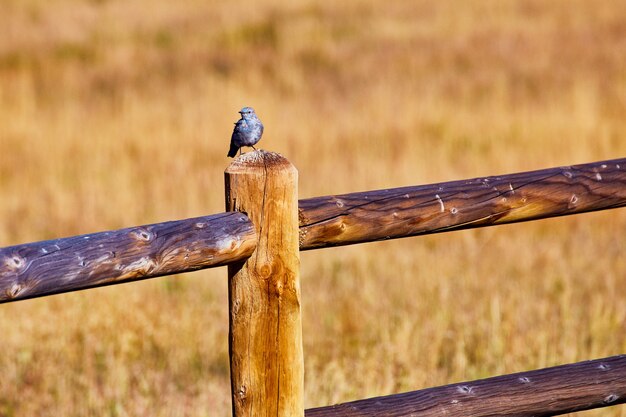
[{"x": 115, "y": 114}]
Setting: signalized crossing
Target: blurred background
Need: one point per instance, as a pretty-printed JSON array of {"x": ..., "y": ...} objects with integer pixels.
[{"x": 115, "y": 114}]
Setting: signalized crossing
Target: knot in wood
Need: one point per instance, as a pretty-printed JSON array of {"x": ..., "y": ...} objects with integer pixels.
[
  {"x": 142, "y": 234},
  {"x": 465, "y": 389},
  {"x": 14, "y": 290},
  {"x": 241, "y": 393},
  {"x": 15, "y": 262},
  {"x": 336, "y": 228},
  {"x": 265, "y": 270}
]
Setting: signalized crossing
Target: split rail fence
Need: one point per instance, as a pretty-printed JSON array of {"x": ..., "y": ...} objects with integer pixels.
[{"x": 260, "y": 237}]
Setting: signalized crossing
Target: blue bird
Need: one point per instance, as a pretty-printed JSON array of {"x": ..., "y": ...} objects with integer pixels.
[{"x": 248, "y": 131}]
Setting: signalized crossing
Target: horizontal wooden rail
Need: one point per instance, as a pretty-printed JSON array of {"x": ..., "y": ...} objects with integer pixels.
[
  {"x": 79, "y": 262},
  {"x": 545, "y": 392},
  {"x": 410, "y": 211}
]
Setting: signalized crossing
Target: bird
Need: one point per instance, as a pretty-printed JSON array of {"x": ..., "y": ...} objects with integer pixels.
[{"x": 248, "y": 131}]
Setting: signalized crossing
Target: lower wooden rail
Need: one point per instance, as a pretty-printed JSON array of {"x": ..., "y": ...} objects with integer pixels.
[{"x": 544, "y": 392}]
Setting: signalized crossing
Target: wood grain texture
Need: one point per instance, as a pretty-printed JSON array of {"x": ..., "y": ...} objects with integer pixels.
[
  {"x": 79, "y": 262},
  {"x": 545, "y": 392},
  {"x": 267, "y": 368},
  {"x": 410, "y": 211}
]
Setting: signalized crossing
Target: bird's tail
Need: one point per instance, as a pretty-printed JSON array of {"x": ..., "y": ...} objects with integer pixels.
[{"x": 233, "y": 150}]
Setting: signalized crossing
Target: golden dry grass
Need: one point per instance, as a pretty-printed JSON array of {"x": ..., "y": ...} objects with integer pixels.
[{"x": 117, "y": 113}]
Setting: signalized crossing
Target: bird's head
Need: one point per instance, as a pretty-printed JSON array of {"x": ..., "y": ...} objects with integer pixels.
[{"x": 246, "y": 111}]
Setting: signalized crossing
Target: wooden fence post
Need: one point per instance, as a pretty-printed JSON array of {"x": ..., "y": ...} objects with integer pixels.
[{"x": 266, "y": 364}]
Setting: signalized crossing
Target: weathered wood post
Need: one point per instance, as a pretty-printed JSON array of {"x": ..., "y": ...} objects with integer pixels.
[{"x": 266, "y": 364}]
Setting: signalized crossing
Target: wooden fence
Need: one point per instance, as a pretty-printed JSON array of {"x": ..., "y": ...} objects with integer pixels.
[{"x": 260, "y": 237}]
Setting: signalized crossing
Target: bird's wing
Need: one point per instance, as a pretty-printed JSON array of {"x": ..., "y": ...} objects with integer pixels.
[{"x": 239, "y": 126}]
